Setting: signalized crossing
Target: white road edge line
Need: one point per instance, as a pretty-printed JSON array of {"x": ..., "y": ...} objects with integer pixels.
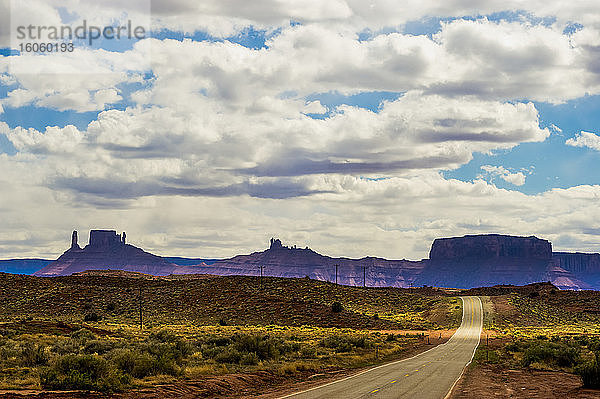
[
  {"x": 474, "y": 350},
  {"x": 383, "y": 365}
]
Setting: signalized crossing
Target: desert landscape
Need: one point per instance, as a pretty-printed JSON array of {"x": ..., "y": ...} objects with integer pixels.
[
  {"x": 299, "y": 199},
  {"x": 224, "y": 330}
]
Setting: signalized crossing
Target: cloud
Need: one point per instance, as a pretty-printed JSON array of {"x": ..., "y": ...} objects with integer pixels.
[
  {"x": 486, "y": 60},
  {"x": 413, "y": 134},
  {"x": 585, "y": 139},
  {"x": 515, "y": 178},
  {"x": 212, "y": 142},
  {"x": 315, "y": 107}
]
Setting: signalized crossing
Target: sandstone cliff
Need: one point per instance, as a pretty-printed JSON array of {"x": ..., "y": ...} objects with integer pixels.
[
  {"x": 460, "y": 262},
  {"x": 108, "y": 251},
  {"x": 282, "y": 261},
  {"x": 485, "y": 260},
  {"x": 584, "y": 266}
]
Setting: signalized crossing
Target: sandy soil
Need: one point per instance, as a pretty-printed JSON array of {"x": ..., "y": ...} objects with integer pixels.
[{"x": 483, "y": 383}]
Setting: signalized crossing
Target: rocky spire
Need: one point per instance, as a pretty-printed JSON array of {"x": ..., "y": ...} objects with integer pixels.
[
  {"x": 275, "y": 243},
  {"x": 74, "y": 243}
]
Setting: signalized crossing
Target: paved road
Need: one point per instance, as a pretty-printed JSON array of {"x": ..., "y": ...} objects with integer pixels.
[{"x": 428, "y": 375}]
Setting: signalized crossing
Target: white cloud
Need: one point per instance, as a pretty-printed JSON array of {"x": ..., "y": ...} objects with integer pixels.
[
  {"x": 516, "y": 178},
  {"x": 585, "y": 139},
  {"x": 217, "y": 143},
  {"x": 314, "y": 107}
]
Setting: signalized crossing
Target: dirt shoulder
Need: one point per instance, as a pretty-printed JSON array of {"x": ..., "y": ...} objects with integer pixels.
[{"x": 487, "y": 382}]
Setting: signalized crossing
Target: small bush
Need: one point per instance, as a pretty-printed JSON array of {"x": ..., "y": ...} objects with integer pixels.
[
  {"x": 228, "y": 355},
  {"x": 86, "y": 372},
  {"x": 82, "y": 335},
  {"x": 249, "y": 359},
  {"x": 99, "y": 347},
  {"x": 33, "y": 355},
  {"x": 551, "y": 353},
  {"x": 345, "y": 344},
  {"x": 163, "y": 335},
  {"x": 136, "y": 364},
  {"x": 92, "y": 317},
  {"x": 337, "y": 307},
  {"x": 589, "y": 373}
]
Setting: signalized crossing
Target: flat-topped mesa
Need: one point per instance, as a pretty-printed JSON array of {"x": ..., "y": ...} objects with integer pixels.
[
  {"x": 103, "y": 239},
  {"x": 490, "y": 246}
]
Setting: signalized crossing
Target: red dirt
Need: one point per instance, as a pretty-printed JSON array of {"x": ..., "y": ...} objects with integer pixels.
[{"x": 486, "y": 382}]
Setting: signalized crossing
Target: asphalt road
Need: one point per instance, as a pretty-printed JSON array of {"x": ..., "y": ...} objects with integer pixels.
[{"x": 430, "y": 374}]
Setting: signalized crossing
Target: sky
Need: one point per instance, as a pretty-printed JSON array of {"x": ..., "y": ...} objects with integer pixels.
[{"x": 358, "y": 128}]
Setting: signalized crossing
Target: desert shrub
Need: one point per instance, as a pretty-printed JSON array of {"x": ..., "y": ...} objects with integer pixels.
[
  {"x": 228, "y": 355},
  {"x": 93, "y": 317},
  {"x": 219, "y": 341},
  {"x": 33, "y": 355},
  {"x": 390, "y": 337},
  {"x": 336, "y": 307},
  {"x": 551, "y": 353},
  {"x": 82, "y": 335},
  {"x": 308, "y": 352},
  {"x": 86, "y": 372},
  {"x": 342, "y": 343},
  {"x": 516, "y": 346},
  {"x": 8, "y": 332},
  {"x": 210, "y": 352},
  {"x": 265, "y": 347},
  {"x": 589, "y": 373},
  {"x": 9, "y": 349},
  {"x": 99, "y": 347},
  {"x": 249, "y": 359},
  {"x": 65, "y": 347},
  {"x": 163, "y": 335},
  {"x": 247, "y": 348},
  {"x": 136, "y": 364},
  {"x": 166, "y": 358},
  {"x": 222, "y": 322}
]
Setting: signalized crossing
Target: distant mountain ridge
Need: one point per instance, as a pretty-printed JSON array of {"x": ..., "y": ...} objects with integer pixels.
[
  {"x": 460, "y": 262},
  {"x": 23, "y": 266}
]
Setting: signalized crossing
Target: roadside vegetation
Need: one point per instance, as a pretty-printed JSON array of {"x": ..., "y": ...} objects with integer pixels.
[
  {"x": 80, "y": 333},
  {"x": 540, "y": 328}
]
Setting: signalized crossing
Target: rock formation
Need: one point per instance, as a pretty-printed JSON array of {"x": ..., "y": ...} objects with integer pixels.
[
  {"x": 283, "y": 261},
  {"x": 74, "y": 243},
  {"x": 584, "y": 266},
  {"x": 107, "y": 250},
  {"x": 460, "y": 262},
  {"x": 485, "y": 260}
]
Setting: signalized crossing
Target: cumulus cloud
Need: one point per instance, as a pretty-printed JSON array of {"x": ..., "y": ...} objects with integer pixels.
[
  {"x": 585, "y": 139},
  {"x": 516, "y": 178},
  {"x": 502, "y": 61},
  {"x": 213, "y": 140}
]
